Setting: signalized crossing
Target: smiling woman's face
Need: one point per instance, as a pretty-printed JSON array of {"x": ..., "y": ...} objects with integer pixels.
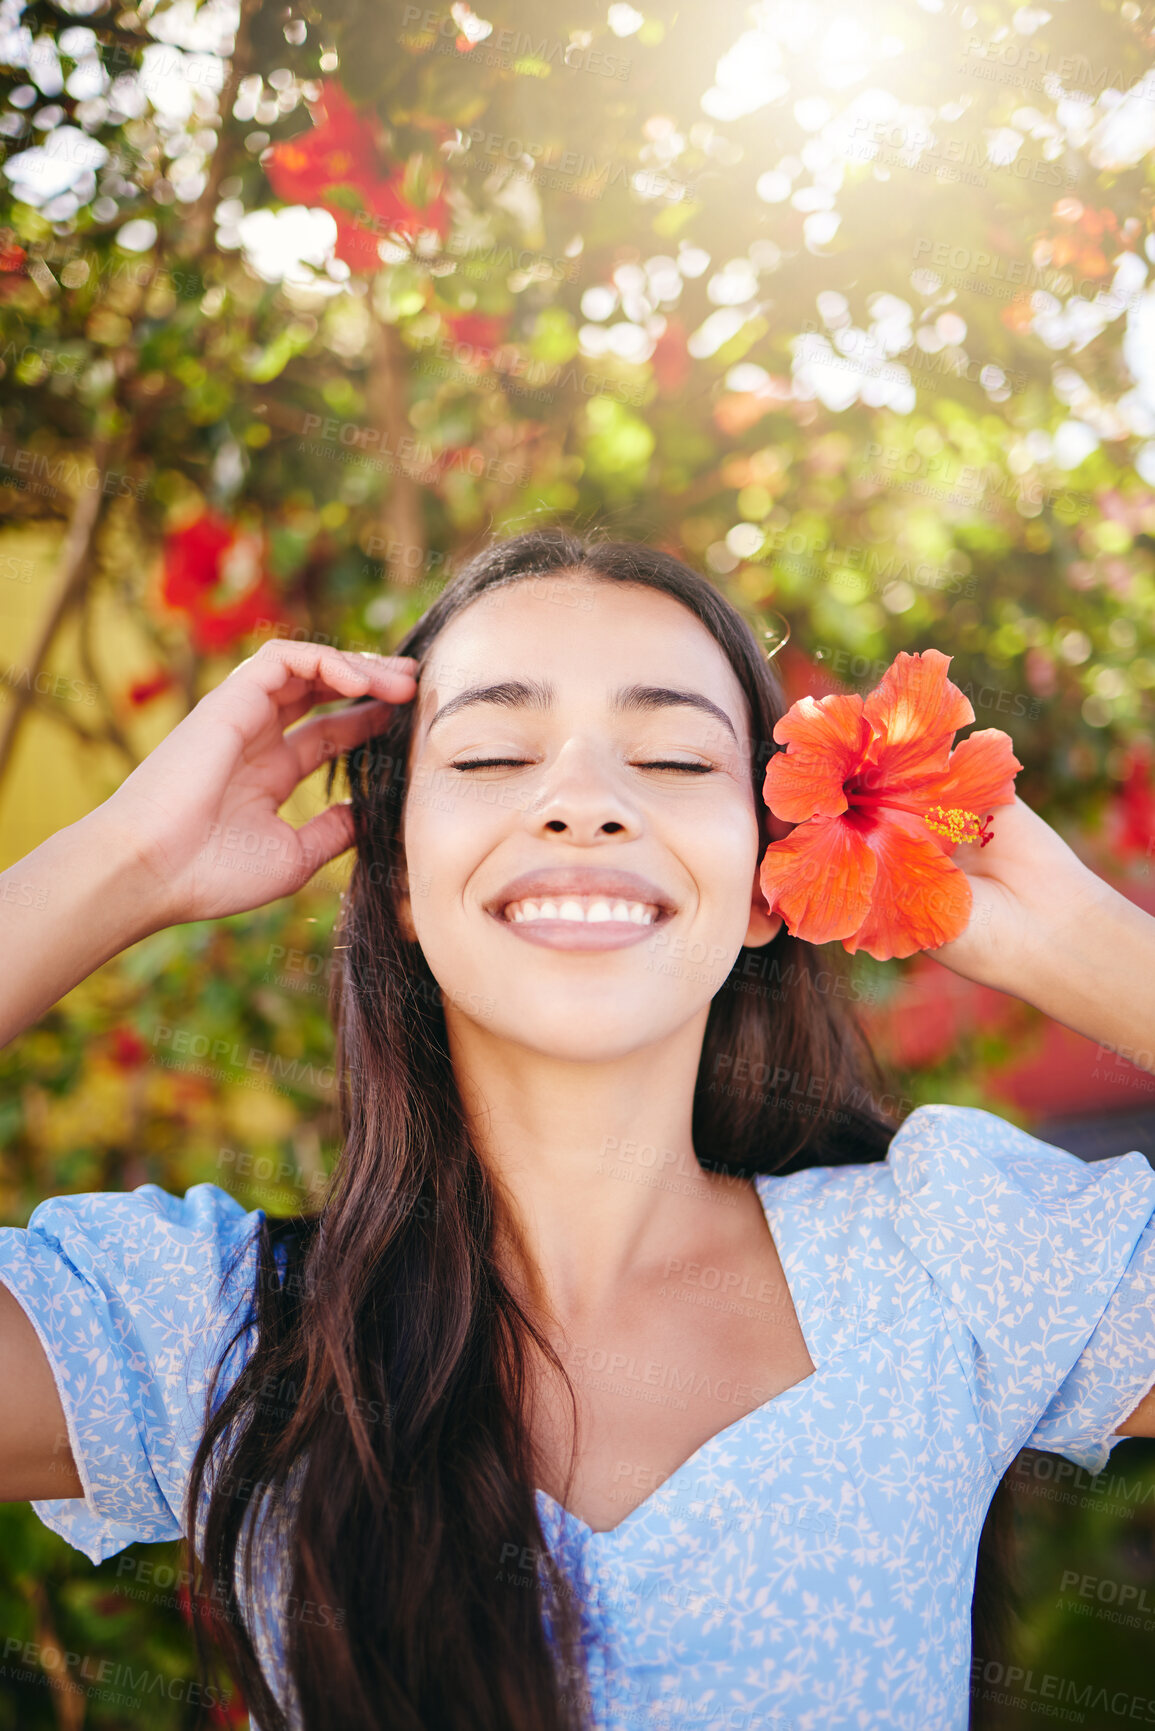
[{"x": 580, "y": 827}]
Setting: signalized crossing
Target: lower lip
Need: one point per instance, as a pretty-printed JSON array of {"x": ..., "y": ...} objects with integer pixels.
[{"x": 580, "y": 934}]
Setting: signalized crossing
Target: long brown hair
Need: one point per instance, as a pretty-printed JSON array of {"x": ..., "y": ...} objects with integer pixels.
[{"x": 380, "y": 1406}]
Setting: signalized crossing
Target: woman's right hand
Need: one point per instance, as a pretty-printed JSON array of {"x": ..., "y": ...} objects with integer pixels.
[{"x": 200, "y": 813}]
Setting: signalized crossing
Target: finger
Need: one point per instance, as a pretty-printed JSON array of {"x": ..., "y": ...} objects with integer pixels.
[
  {"x": 326, "y": 736},
  {"x": 325, "y": 836},
  {"x": 296, "y": 700},
  {"x": 343, "y": 673},
  {"x": 284, "y": 672}
]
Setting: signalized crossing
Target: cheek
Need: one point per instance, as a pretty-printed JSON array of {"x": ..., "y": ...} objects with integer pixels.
[
  {"x": 723, "y": 851},
  {"x": 450, "y": 826}
]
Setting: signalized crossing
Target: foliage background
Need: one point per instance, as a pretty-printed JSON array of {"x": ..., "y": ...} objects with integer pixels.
[{"x": 299, "y": 304}]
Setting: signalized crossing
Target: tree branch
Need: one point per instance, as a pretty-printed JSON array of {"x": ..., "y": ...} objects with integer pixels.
[
  {"x": 402, "y": 518},
  {"x": 72, "y": 573},
  {"x": 200, "y": 216},
  {"x": 114, "y": 732},
  {"x": 56, "y": 710}
]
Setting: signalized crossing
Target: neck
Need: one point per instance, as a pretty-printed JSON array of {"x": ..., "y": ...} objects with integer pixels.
[{"x": 594, "y": 1162}]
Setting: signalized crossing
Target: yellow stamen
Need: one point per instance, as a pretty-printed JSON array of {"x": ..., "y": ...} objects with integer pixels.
[{"x": 954, "y": 821}]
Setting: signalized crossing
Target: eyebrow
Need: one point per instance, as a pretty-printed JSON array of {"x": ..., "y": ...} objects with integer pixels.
[{"x": 536, "y": 694}]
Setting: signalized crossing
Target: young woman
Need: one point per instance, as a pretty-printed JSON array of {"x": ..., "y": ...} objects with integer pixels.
[{"x": 640, "y": 1371}]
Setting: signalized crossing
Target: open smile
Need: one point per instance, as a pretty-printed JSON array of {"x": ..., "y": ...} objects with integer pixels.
[{"x": 557, "y": 909}]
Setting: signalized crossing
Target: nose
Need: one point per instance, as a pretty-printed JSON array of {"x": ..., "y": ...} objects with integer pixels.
[{"x": 584, "y": 799}]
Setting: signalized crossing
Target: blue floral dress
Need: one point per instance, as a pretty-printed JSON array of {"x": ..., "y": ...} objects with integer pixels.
[{"x": 810, "y": 1566}]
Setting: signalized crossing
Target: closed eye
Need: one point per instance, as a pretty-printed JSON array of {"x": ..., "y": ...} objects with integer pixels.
[
  {"x": 694, "y": 768},
  {"x": 489, "y": 762},
  {"x": 513, "y": 762}
]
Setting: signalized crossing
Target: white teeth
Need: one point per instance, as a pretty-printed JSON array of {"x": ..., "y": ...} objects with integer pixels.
[{"x": 592, "y": 912}]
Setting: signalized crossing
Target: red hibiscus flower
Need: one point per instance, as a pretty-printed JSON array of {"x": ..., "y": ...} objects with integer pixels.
[
  {"x": 878, "y": 800},
  {"x": 341, "y": 166},
  {"x": 216, "y": 575}
]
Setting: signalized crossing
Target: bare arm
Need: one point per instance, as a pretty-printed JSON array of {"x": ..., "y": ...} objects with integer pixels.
[
  {"x": 78, "y": 899},
  {"x": 1046, "y": 928},
  {"x": 35, "y": 1459},
  {"x": 170, "y": 846},
  {"x": 1142, "y": 1421}
]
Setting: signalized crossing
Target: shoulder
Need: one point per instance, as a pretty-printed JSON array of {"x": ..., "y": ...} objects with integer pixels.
[
  {"x": 200, "y": 1231},
  {"x": 967, "y": 1180},
  {"x": 137, "y": 1298},
  {"x": 959, "y": 1172},
  {"x": 1015, "y": 1246},
  {"x": 204, "y": 1212}
]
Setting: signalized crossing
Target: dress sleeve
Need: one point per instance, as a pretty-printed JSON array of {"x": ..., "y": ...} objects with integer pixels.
[
  {"x": 134, "y": 1297},
  {"x": 1045, "y": 1269}
]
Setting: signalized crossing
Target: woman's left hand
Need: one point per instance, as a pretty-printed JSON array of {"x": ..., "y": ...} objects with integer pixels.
[{"x": 1030, "y": 891}]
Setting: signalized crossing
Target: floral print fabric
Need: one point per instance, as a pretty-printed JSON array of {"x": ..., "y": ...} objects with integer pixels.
[{"x": 811, "y": 1565}]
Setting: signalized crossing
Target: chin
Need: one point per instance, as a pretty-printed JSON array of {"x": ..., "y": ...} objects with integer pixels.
[{"x": 587, "y": 1026}]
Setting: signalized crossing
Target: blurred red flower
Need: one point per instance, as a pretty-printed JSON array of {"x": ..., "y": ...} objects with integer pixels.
[
  {"x": 206, "y": 565},
  {"x": 341, "y": 150},
  {"x": 227, "y": 1711},
  {"x": 482, "y": 331},
  {"x": 1133, "y": 807},
  {"x": 12, "y": 257},
  {"x": 144, "y": 690},
  {"x": 671, "y": 358},
  {"x": 1078, "y": 246},
  {"x": 878, "y": 799},
  {"x": 126, "y": 1048},
  {"x": 341, "y": 166}
]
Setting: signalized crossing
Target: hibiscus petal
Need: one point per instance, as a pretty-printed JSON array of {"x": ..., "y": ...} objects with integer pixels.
[
  {"x": 826, "y": 740},
  {"x": 980, "y": 773},
  {"x": 819, "y": 878},
  {"x": 915, "y": 711},
  {"x": 921, "y": 899}
]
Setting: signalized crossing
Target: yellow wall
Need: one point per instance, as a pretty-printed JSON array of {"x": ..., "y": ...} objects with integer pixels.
[{"x": 54, "y": 778}]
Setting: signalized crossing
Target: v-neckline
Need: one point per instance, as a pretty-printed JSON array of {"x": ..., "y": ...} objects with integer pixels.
[{"x": 774, "y": 1219}]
